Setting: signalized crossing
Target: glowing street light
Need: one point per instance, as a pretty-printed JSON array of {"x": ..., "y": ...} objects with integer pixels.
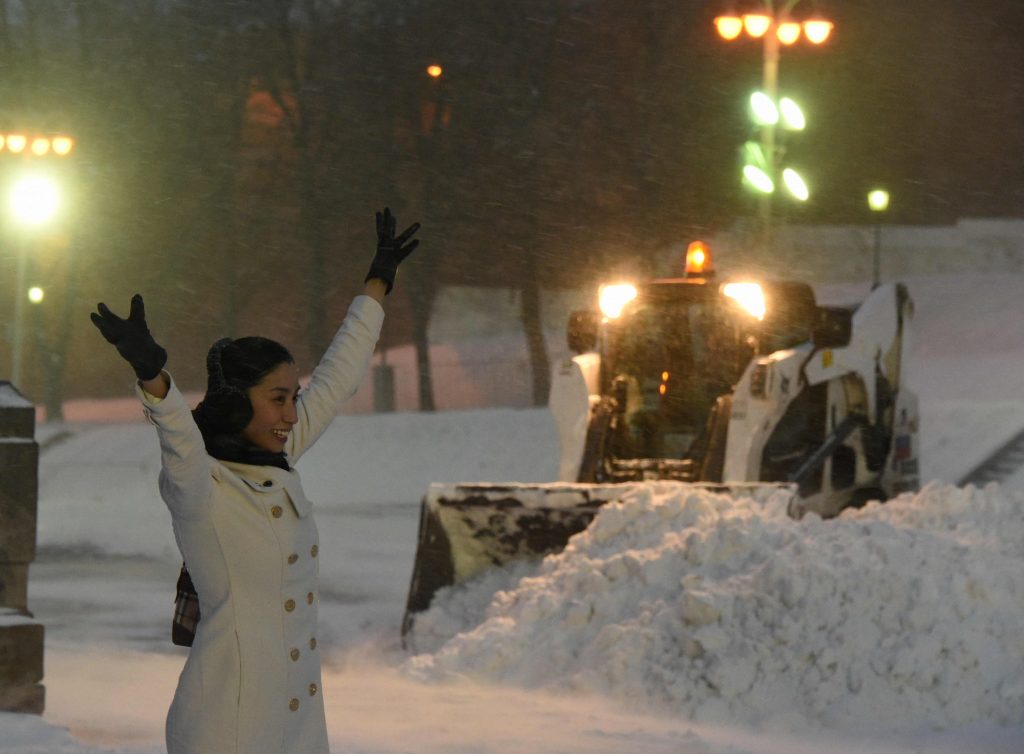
[
  {"x": 758, "y": 179},
  {"x": 760, "y": 170},
  {"x": 62, "y": 145},
  {"x": 774, "y": 24},
  {"x": 36, "y": 294},
  {"x": 878, "y": 201},
  {"x": 757, "y": 25},
  {"x": 817, "y": 30},
  {"x": 33, "y": 201},
  {"x": 729, "y": 27},
  {"x": 792, "y": 116},
  {"x": 16, "y": 143},
  {"x": 796, "y": 185},
  {"x": 764, "y": 109}
]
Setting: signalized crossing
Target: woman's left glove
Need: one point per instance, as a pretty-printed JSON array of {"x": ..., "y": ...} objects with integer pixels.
[
  {"x": 131, "y": 338},
  {"x": 390, "y": 250}
]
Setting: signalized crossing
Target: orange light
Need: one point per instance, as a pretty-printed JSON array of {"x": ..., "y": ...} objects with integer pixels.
[
  {"x": 62, "y": 145},
  {"x": 661, "y": 389},
  {"x": 817, "y": 30},
  {"x": 16, "y": 143},
  {"x": 664, "y": 376},
  {"x": 434, "y": 71},
  {"x": 788, "y": 32},
  {"x": 756, "y": 24},
  {"x": 40, "y": 146},
  {"x": 729, "y": 27},
  {"x": 698, "y": 259}
]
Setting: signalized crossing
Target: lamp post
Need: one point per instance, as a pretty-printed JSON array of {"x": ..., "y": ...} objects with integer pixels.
[
  {"x": 776, "y": 29},
  {"x": 878, "y": 201},
  {"x": 33, "y": 201}
]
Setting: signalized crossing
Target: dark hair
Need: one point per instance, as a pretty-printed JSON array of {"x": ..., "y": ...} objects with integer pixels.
[{"x": 232, "y": 367}]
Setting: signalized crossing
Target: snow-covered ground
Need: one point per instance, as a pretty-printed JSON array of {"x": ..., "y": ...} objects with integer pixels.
[{"x": 680, "y": 621}]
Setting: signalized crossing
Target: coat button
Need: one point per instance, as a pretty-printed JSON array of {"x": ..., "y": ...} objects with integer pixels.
[
  {"x": 293, "y": 558},
  {"x": 289, "y": 605},
  {"x": 312, "y": 643},
  {"x": 295, "y": 655},
  {"x": 314, "y": 550},
  {"x": 312, "y": 689},
  {"x": 276, "y": 511},
  {"x": 309, "y": 598},
  {"x": 293, "y": 705},
  {"x": 267, "y": 483}
]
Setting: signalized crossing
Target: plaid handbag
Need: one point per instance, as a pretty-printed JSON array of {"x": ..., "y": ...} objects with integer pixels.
[{"x": 186, "y": 611}]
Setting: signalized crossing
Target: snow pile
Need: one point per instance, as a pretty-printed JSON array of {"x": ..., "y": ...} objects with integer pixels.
[{"x": 895, "y": 616}]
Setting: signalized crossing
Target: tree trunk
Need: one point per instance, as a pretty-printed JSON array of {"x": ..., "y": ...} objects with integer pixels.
[
  {"x": 533, "y": 327},
  {"x": 421, "y": 295}
]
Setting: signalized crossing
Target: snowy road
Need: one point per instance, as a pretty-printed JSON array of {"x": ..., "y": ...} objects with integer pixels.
[{"x": 104, "y": 579}]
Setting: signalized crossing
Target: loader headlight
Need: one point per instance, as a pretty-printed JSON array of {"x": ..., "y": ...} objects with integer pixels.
[
  {"x": 612, "y": 298},
  {"x": 747, "y": 295}
]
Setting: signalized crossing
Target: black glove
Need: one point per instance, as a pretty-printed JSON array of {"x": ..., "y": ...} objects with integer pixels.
[
  {"x": 390, "y": 250},
  {"x": 132, "y": 339}
]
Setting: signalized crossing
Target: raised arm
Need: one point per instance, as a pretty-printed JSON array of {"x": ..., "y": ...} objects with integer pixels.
[
  {"x": 344, "y": 365},
  {"x": 133, "y": 341},
  {"x": 186, "y": 467}
]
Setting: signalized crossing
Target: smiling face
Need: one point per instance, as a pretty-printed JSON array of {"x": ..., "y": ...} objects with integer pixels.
[{"x": 273, "y": 408}]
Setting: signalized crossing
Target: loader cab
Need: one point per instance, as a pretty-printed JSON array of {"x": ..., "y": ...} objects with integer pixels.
[
  {"x": 677, "y": 349},
  {"x": 671, "y": 353}
]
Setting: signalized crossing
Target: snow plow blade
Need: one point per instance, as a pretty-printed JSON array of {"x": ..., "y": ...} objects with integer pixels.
[{"x": 468, "y": 528}]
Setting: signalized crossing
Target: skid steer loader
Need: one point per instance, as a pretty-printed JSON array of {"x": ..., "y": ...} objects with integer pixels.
[{"x": 733, "y": 384}]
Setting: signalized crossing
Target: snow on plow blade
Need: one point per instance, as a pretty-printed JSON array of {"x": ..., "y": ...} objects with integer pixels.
[{"x": 468, "y": 528}]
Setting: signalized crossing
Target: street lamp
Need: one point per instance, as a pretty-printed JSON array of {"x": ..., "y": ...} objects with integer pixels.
[
  {"x": 878, "y": 201},
  {"x": 33, "y": 201},
  {"x": 777, "y": 28}
]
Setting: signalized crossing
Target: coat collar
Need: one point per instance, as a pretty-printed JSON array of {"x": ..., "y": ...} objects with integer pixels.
[{"x": 263, "y": 480}]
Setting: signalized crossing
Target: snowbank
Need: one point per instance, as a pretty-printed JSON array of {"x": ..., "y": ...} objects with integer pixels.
[{"x": 903, "y": 615}]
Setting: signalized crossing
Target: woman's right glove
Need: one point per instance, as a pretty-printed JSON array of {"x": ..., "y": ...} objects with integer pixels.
[
  {"x": 390, "y": 250},
  {"x": 131, "y": 338}
]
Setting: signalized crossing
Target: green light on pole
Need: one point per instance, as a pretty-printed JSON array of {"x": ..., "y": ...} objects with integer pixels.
[
  {"x": 758, "y": 179},
  {"x": 754, "y": 155},
  {"x": 792, "y": 116},
  {"x": 795, "y": 184},
  {"x": 763, "y": 110}
]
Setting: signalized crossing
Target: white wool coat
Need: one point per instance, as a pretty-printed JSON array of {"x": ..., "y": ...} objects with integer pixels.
[{"x": 251, "y": 684}]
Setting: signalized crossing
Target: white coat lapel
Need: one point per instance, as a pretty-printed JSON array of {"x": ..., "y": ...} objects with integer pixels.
[{"x": 303, "y": 506}]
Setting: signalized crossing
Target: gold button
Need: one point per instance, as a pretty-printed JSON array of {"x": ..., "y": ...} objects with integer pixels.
[
  {"x": 293, "y": 705},
  {"x": 276, "y": 511},
  {"x": 309, "y": 598},
  {"x": 314, "y": 550},
  {"x": 312, "y": 689},
  {"x": 295, "y": 655},
  {"x": 293, "y": 558},
  {"x": 289, "y": 605},
  {"x": 312, "y": 643}
]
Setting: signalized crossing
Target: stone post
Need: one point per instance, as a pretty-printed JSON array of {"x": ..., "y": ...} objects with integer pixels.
[{"x": 21, "y": 638}]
